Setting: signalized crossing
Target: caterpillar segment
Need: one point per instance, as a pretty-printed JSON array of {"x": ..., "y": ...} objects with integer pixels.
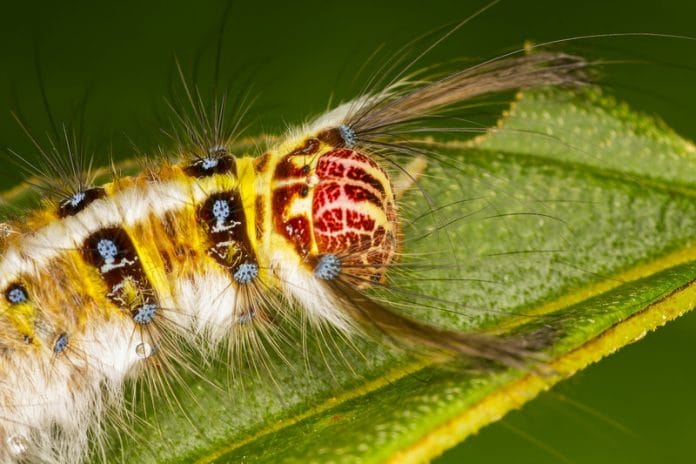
[
  {"x": 113, "y": 282},
  {"x": 336, "y": 234},
  {"x": 126, "y": 271}
]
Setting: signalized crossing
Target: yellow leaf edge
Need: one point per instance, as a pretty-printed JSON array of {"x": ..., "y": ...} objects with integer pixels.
[{"x": 513, "y": 396}]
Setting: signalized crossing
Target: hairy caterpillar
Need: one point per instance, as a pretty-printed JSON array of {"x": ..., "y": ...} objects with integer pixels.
[{"x": 204, "y": 163}]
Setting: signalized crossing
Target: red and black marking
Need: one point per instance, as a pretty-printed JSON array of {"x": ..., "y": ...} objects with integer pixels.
[
  {"x": 287, "y": 169},
  {"x": 343, "y": 226},
  {"x": 296, "y": 229},
  {"x": 223, "y": 219},
  {"x": 310, "y": 147},
  {"x": 73, "y": 205}
]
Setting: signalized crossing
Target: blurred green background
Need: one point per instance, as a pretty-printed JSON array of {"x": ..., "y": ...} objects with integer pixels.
[{"x": 293, "y": 57}]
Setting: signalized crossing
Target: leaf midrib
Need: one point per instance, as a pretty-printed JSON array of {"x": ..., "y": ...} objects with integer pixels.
[{"x": 680, "y": 257}]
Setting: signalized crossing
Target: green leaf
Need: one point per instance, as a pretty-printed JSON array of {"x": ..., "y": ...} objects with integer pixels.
[
  {"x": 579, "y": 217},
  {"x": 575, "y": 214}
]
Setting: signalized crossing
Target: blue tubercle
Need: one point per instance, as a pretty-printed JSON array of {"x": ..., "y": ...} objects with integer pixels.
[
  {"x": 17, "y": 295},
  {"x": 328, "y": 267},
  {"x": 348, "y": 135},
  {"x": 76, "y": 199},
  {"x": 209, "y": 163},
  {"x": 145, "y": 313},
  {"x": 246, "y": 272},
  {"x": 61, "y": 344},
  {"x": 221, "y": 210},
  {"x": 108, "y": 250}
]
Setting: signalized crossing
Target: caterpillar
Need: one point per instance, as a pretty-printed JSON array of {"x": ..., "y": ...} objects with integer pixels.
[{"x": 218, "y": 244}]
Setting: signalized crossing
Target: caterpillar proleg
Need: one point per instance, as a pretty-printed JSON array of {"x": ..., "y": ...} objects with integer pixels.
[{"x": 114, "y": 282}]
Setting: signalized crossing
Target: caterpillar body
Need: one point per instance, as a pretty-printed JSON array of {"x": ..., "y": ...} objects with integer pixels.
[{"x": 109, "y": 283}]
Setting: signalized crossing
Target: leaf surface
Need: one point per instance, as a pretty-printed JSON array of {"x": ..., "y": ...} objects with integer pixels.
[{"x": 575, "y": 215}]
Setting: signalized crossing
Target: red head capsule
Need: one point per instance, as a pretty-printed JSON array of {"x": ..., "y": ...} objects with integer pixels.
[{"x": 353, "y": 212}]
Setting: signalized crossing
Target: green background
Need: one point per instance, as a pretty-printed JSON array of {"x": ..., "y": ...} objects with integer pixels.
[{"x": 637, "y": 406}]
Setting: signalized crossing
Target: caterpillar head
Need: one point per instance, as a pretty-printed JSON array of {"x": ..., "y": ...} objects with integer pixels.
[{"x": 353, "y": 213}]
